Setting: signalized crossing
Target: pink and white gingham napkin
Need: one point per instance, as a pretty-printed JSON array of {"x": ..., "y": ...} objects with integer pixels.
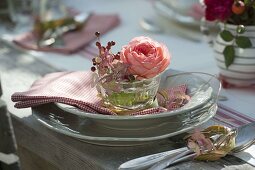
[{"x": 72, "y": 88}]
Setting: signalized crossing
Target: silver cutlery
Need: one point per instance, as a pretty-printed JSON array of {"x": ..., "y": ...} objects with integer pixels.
[
  {"x": 51, "y": 37},
  {"x": 245, "y": 138}
]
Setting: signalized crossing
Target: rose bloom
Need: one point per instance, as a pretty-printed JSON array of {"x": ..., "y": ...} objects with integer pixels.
[
  {"x": 146, "y": 58},
  {"x": 218, "y": 9}
]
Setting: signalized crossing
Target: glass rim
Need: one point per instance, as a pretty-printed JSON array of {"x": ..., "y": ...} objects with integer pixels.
[
  {"x": 151, "y": 116},
  {"x": 139, "y": 81}
]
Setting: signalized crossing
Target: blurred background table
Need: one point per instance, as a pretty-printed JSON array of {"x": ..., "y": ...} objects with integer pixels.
[{"x": 40, "y": 148}]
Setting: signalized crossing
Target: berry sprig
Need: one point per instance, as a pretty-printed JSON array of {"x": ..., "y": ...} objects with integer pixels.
[
  {"x": 107, "y": 65},
  {"x": 238, "y": 7}
]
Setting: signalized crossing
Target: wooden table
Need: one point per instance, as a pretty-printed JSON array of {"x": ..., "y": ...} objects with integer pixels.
[{"x": 41, "y": 148}]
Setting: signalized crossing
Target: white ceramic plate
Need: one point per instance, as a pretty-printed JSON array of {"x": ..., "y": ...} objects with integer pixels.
[
  {"x": 170, "y": 11},
  {"x": 83, "y": 129},
  {"x": 199, "y": 90}
]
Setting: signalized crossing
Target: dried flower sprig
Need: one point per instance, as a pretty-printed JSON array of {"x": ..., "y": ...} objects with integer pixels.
[
  {"x": 209, "y": 148},
  {"x": 108, "y": 66}
]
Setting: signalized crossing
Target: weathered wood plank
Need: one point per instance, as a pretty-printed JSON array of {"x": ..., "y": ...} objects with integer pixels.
[
  {"x": 1, "y": 92},
  {"x": 56, "y": 152},
  {"x": 7, "y": 144},
  {"x": 7, "y": 139},
  {"x": 31, "y": 161}
]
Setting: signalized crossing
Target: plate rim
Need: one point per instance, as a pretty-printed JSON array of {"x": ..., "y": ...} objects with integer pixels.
[
  {"x": 125, "y": 139},
  {"x": 148, "y": 116}
]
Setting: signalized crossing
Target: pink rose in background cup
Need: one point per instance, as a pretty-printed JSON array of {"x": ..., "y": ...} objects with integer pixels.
[{"x": 146, "y": 58}]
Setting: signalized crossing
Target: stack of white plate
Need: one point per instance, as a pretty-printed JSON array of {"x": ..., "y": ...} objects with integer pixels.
[
  {"x": 134, "y": 130},
  {"x": 178, "y": 11}
]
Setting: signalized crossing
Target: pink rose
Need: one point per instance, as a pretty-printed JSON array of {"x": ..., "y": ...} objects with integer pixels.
[{"x": 146, "y": 58}]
